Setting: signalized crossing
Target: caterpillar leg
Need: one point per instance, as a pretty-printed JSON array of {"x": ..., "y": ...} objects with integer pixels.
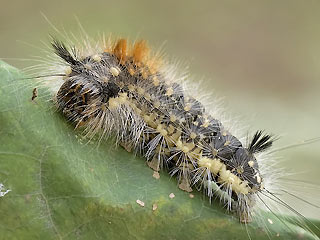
[
  {"x": 245, "y": 218},
  {"x": 154, "y": 163},
  {"x": 183, "y": 173},
  {"x": 185, "y": 184},
  {"x": 127, "y": 146}
]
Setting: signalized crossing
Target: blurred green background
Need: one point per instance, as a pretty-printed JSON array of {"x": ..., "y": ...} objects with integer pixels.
[{"x": 262, "y": 56}]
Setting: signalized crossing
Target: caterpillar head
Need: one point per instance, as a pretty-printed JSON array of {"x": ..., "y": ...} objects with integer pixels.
[
  {"x": 244, "y": 162},
  {"x": 235, "y": 165},
  {"x": 240, "y": 175}
]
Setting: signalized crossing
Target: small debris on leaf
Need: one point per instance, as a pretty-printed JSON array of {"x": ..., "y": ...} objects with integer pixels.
[
  {"x": 140, "y": 203},
  {"x": 3, "y": 191},
  {"x": 34, "y": 94},
  {"x": 154, "y": 207}
]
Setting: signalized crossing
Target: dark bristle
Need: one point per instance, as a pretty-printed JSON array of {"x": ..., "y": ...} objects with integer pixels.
[
  {"x": 260, "y": 142},
  {"x": 61, "y": 50}
]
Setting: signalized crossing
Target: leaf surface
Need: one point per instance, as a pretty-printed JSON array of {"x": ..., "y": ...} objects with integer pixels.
[{"x": 66, "y": 187}]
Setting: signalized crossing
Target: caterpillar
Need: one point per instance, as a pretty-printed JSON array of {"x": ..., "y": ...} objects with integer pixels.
[{"x": 122, "y": 90}]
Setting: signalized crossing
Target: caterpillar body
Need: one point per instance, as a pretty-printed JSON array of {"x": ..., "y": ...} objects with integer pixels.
[
  {"x": 121, "y": 93},
  {"x": 118, "y": 89}
]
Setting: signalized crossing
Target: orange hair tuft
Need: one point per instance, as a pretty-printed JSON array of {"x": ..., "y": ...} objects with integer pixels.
[
  {"x": 120, "y": 50},
  {"x": 140, "y": 51}
]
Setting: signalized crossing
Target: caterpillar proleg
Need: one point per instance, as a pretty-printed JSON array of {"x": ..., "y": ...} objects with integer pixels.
[{"x": 118, "y": 89}]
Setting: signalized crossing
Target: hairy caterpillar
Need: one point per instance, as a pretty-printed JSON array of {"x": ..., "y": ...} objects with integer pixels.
[
  {"x": 124, "y": 94},
  {"x": 119, "y": 90}
]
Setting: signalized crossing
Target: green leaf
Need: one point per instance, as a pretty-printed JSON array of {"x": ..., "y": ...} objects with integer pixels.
[{"x": 64, "y": 187}]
